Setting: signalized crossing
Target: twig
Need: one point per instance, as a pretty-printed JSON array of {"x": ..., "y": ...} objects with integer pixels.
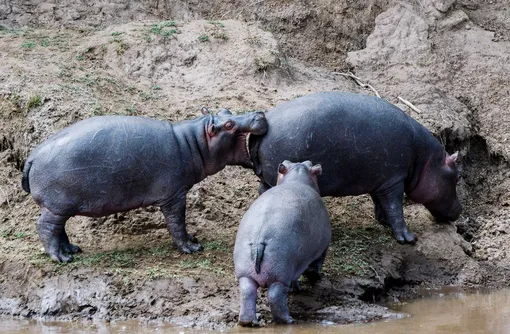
[
  {"x": 6, "y": 197},
  {"x": 409, "y": 104},
  {"x": 377, "y": 275},
  {"x": 358, "y": 81}
]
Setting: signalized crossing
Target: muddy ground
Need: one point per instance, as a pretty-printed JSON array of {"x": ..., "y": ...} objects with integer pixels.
[{"x": 62, "y": 62}]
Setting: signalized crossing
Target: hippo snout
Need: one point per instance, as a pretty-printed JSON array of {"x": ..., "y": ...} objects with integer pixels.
[
  {"x": 450, "y": 215},
  {"x": 259, "y": 125}
]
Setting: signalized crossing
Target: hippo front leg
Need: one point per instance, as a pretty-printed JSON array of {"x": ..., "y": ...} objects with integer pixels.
[
  {"x": 389, "y": 211},
  {"x": 175, "y": 218}
]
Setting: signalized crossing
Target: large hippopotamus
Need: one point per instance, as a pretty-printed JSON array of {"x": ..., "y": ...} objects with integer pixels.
[
  {"x": 108, "y": 164},
  {"x": 285, "y": 233},
  {"x": 365, "y": 145}
]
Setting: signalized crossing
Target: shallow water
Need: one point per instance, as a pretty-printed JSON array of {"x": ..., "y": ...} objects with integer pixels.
[{"x": 446, "y": 311}]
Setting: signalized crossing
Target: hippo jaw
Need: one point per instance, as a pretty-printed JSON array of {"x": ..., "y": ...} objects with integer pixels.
[{"x": 227, "y": 136}]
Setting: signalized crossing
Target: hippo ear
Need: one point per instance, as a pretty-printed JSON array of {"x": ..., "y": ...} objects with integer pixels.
[
  {"x": 225, "y": 111},
  {"x": 452, "y": 159},
  {"x": 282, "y": 169},
  {"x": 316, "y": 170},
  {"x": 205, "y": 111}
]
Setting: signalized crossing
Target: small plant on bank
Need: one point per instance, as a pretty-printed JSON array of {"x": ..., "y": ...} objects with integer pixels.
[
  {"x": 159, "y": 29},
  {"x": 34, "y": 102},
  {"x": 203, "y": 38},
  {"x": 28, "y": 45}
]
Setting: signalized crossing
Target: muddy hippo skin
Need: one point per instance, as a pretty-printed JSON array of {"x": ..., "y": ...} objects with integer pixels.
[
  {"x": 365, "y": 145},
  {"x": 284, "y": 232},
  {"x": 110, "y": 164}
]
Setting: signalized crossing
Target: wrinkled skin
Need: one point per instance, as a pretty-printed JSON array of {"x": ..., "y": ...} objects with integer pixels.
[
  {"x": 110, "y": 164},
  {"x": 365, "y": 145},
  {"x": 285, "y": 233}
]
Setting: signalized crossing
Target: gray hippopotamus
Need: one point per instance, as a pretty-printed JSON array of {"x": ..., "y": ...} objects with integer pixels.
[
  {"x": 285, "y": 233},
  {"x": 108, "y": 164},
  {"x": 365, "y": 145}
]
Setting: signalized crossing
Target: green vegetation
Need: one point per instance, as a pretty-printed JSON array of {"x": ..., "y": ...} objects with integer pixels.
[
  {"x": 117, "y": 33},
  {"x": 201, "y": 264},
  {"x": 216, "y": 23},
  {"x": 203, "y": 38},
  {"x": 34, "y": 102},
  {"x": 216, "y": 245},
  {"x": 350, "y": 251},
  {"x": 159, "y": 29},
  {"x": 28, "y": 45}
]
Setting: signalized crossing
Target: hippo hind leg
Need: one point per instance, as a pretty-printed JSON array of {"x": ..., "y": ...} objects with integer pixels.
[
  {"x": 389, "y": 211},
  {"x": 277, "y": 297},
  {"x": 248, "y": 293},
  {"x": 51, "y": 230},
  {"x": 313, "y": 272},
  {"x": 263, "y": 187}
]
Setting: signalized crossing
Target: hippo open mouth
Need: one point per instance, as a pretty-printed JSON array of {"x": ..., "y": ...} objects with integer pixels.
[{"x": 244, "y": 157}]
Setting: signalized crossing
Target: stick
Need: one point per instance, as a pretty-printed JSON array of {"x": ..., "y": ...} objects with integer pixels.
[
  {"x": 409, "y": 104},
  {"x": 358, "y": 81}
]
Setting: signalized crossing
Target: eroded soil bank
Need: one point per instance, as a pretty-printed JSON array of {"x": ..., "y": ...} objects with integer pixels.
[{"x": 61, "y": 63}]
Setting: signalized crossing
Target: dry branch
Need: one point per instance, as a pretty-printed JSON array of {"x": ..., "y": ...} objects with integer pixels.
[
  {"x": 409, "y": 104},
  {"x": 358, "y": 81}
]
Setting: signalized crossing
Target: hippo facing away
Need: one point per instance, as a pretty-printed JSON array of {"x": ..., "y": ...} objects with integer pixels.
[
  {"x": 365, "y": 145},
  {"x": 285, "y": 233},
  {"x": 108, "y": 164}
]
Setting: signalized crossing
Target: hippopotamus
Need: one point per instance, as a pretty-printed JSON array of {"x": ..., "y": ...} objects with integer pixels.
[
  {"x": 108, "y": 164},
  {"x": 365, "y": 145},
  {"x": 285, "y": 233}
]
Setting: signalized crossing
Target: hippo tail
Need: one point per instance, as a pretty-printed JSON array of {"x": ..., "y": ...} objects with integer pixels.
[
  {"x": 258, "y": 252},
  {"x": 24, "y": 178}
]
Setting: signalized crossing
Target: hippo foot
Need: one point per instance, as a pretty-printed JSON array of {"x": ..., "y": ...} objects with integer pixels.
[
  {"x": 249, "y": 323},
  {"x": 295, "y": 286},
  {"x": 405, "y": 237},
  {"x": 60, "y": 257},
  {"x": 188, "y": 246},
  {"x": 71, "y": 249},
  {"x": 312, "y": 275},
  {"x": 288, "y": 320}
]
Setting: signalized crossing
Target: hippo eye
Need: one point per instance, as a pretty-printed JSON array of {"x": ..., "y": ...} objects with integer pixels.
[{"x": 229, "y": 125}]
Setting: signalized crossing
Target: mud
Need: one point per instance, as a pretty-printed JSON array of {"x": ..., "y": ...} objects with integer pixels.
[{"x": 61, "y": 63}]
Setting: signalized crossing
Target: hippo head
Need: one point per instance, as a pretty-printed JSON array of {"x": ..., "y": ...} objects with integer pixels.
[
  {"x": 437, "y": 188},
  {"x": 226, "y": 136},
  {"x": 304, "y": 172}
]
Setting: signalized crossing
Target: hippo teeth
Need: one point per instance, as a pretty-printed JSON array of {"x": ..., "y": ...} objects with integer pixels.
[{"x": 247, "y": 145}]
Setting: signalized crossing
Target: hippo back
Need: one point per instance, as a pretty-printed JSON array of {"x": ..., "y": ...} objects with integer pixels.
[{"x": 362, "y": 142}]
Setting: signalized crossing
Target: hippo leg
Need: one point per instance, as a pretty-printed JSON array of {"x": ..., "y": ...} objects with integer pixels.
[
  {"x": 295, "y": 286},
  {"x": 378, "y": 211},
  {"x": 68, "y": 247},
  {"x": 175, "y": 215},
  {"x": 263, "y": 187},
  {"x": 313, "y": 271},
  {"x": 277, "y": 297},
  {"x": 390, "y": 201},
  {"x": 248, "y": 291},
  {"x": 51, "y": 229}
]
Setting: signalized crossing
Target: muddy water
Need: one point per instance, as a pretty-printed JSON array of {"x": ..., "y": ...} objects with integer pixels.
[{"x": 445, "y": 311}]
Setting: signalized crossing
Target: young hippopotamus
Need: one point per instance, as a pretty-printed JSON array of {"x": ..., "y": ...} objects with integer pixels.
[
  {"x": 110, "y": 164},
  {"x": 284, "y": 234},
  {"x": 365, "y": 145}
]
